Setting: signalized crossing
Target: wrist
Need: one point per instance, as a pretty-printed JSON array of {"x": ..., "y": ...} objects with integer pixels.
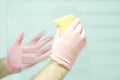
[
  {"x": 3, "y": 70},
  {"x": 57, "y": 65},
  {"x": 4, "y": 65}
]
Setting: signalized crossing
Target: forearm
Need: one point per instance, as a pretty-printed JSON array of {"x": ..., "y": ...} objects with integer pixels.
[
  {"x": 3, "y": 70},
  {"x": 53, "y": 71}
]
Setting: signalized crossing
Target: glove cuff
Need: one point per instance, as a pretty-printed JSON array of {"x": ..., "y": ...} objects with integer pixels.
[
  {"x": 65, "y": 63},
  {"x": 10, "y": 68}
]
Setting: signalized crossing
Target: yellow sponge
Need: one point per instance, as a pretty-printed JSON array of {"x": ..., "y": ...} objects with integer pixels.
[{"x": 64, "y": 22}]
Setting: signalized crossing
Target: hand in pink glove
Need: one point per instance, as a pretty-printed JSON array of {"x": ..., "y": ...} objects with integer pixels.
[
  {"x": 67, "y": 47},
  {"x": 20, "y": 56}
]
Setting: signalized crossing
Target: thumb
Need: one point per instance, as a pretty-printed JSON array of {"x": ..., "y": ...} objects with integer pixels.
[
  {"x": 19, "y": 38},
  {"x": 58, "y": 33}
]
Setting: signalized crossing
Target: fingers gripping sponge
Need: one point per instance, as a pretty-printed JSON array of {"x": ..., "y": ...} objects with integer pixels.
[{"x": 64, "y": 22}]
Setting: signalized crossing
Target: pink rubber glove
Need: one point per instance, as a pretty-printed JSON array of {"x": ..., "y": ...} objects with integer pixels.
[
  {"x": 22, "y": 56},
  {"x": 67, "y": 47}
]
